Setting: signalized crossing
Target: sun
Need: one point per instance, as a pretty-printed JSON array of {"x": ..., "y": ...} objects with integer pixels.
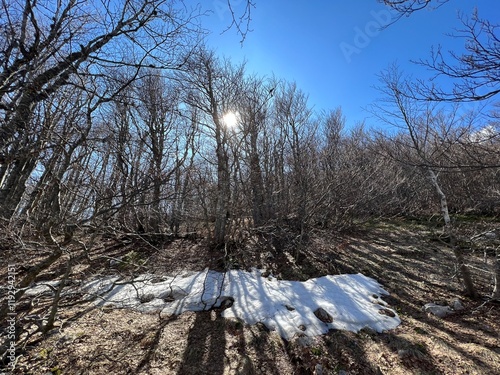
[{"x": 230, "y": 120}]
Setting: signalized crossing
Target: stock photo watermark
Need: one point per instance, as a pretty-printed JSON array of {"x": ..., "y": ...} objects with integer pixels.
[
  {"x": 364, "y": 35},
  {"x": 222, "y": 7},
  {"x": 11, "y": 316}
]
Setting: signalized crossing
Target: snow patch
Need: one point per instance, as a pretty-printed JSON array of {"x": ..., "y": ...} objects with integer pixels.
[{"x": 352, "y": 301}]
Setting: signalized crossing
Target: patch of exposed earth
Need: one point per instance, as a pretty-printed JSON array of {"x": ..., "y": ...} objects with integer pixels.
[{"x": 407, "y": 260}]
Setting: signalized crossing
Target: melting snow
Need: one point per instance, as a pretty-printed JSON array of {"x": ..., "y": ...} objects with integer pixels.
[{"x": 353, "y": 301}]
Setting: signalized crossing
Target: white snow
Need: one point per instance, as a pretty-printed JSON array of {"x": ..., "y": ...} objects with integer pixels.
[{"x": 353, "y": 301}]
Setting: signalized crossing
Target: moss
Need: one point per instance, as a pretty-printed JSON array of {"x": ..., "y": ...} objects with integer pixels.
[
  {"x": 316, "y": 351},
  {"x": 44, "y": 353},
  {"x": 420, "y": 331},
  {"x": 131, "y": 259}
]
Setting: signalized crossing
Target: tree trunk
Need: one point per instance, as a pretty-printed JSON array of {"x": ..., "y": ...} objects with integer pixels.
[
  {"x": 223, "y": 193},
  {"x": 259, "y": 214},
  {"x": 448, "y": 227},
  {"x": 15, "y": 186},
  {"x": 496, "y": 289}
]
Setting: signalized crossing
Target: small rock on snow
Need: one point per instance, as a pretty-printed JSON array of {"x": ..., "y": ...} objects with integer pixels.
[{"x": 322, "y": 315}]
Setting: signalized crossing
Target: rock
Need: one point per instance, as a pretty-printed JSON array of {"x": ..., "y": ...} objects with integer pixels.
[
  {"x": 145, "y": 298},
  {"x": 490, "y": 235},
  {"x": 156, "y": 280},
  {"x": 322, "y": 315},
  {"x": 172, "y": 294},
  {"x": 226, "y": 302},
  {"x": 438, "y": 310},
  {"x": 302, "y": 327},
  {"x": 368, "y": 330},
  {"x": 457, "y": 305},
  {"x": 290, "y": 308},
  {"x": 387, "y": 312},
  {"x": 113, "y": 263},
  {"x": 305, "y": 341},
  {"x": 262, "y": 327},
  {"x": 318, "y": 369}
]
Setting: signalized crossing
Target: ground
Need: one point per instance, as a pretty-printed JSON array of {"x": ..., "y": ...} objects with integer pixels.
[{"x": 409, "y": 259}]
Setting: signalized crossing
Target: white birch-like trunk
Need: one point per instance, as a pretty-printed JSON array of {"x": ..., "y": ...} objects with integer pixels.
[
  {"x": 464, "y": 270},
  {"x": 496, "y": 290}
]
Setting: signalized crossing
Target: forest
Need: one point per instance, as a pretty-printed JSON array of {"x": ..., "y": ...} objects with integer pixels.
[{"x": 127, "y": 146}]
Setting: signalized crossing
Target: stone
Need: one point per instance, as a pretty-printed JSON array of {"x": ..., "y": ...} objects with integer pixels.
[
  {"x": 226, "y": 302},
  {"x": 145, "y": 298},
  {"x": 318, "y": 369},
  {"x": 113, "y": 263},
  {"x": 490, "y": 235},
  {"x": 172, "y": 294},
  {"x": 322, "y": 315},
  {"x": 156, "y": 280},
  {"x": 305, "y": 341},
  {"x": 438, "y": 310},
  {"x": 387, "y": 312},
  {"x": 368, "y": 330},
  {"x": 457, "y": 305},
  {"x": 262, "y": 327}
]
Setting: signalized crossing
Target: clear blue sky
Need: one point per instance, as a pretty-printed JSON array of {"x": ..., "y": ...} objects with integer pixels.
[{"x": 321, "y": 47}]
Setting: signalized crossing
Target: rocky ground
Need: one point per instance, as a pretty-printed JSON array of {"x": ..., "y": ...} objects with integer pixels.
[{"x": 411, "y": 260}]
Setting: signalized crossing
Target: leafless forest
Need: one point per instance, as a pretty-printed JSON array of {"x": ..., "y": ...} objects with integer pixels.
[{"x": 117, "y": 123}]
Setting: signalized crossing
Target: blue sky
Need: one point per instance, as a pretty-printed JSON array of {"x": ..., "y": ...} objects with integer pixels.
[{"x": 334, "y": 49}]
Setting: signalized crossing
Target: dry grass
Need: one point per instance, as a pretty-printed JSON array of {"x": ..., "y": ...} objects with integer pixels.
[{"x": 405, "y": 259}]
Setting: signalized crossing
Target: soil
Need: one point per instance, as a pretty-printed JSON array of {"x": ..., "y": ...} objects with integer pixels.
[{"x": 411, "y": 261}]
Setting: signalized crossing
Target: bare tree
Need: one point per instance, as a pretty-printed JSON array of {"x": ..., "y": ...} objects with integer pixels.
[
  {"x": 165, "y": 135},
  {"x": 294, "y": 117},
  {"x": 475, "y": 74},
  {"x": 407, "y": 7},
  {"x": 46, "y": 47},
  {"x": 254, "y": 111},
  {"x": 426, "y": 138},
  {"x": 213, "y": 87}
]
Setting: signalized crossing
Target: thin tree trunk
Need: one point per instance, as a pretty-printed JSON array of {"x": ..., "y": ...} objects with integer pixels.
[
  {"x": 448, "y": 227},
  {"x": 223, "y": 193},
  {"x": 259, "y": 213},
  {"x": 57, "y": 297},
  {"x": 15, "y": 186},
  {"x": 496, "y": 289}
]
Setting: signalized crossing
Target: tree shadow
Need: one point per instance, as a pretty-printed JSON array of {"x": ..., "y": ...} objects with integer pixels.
[
  {"x": 206, "y": 344},
  {"x": 344, "y": 348},
  {"x": 153, "y": 346},
  {"x": 412, "y": 355}
]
